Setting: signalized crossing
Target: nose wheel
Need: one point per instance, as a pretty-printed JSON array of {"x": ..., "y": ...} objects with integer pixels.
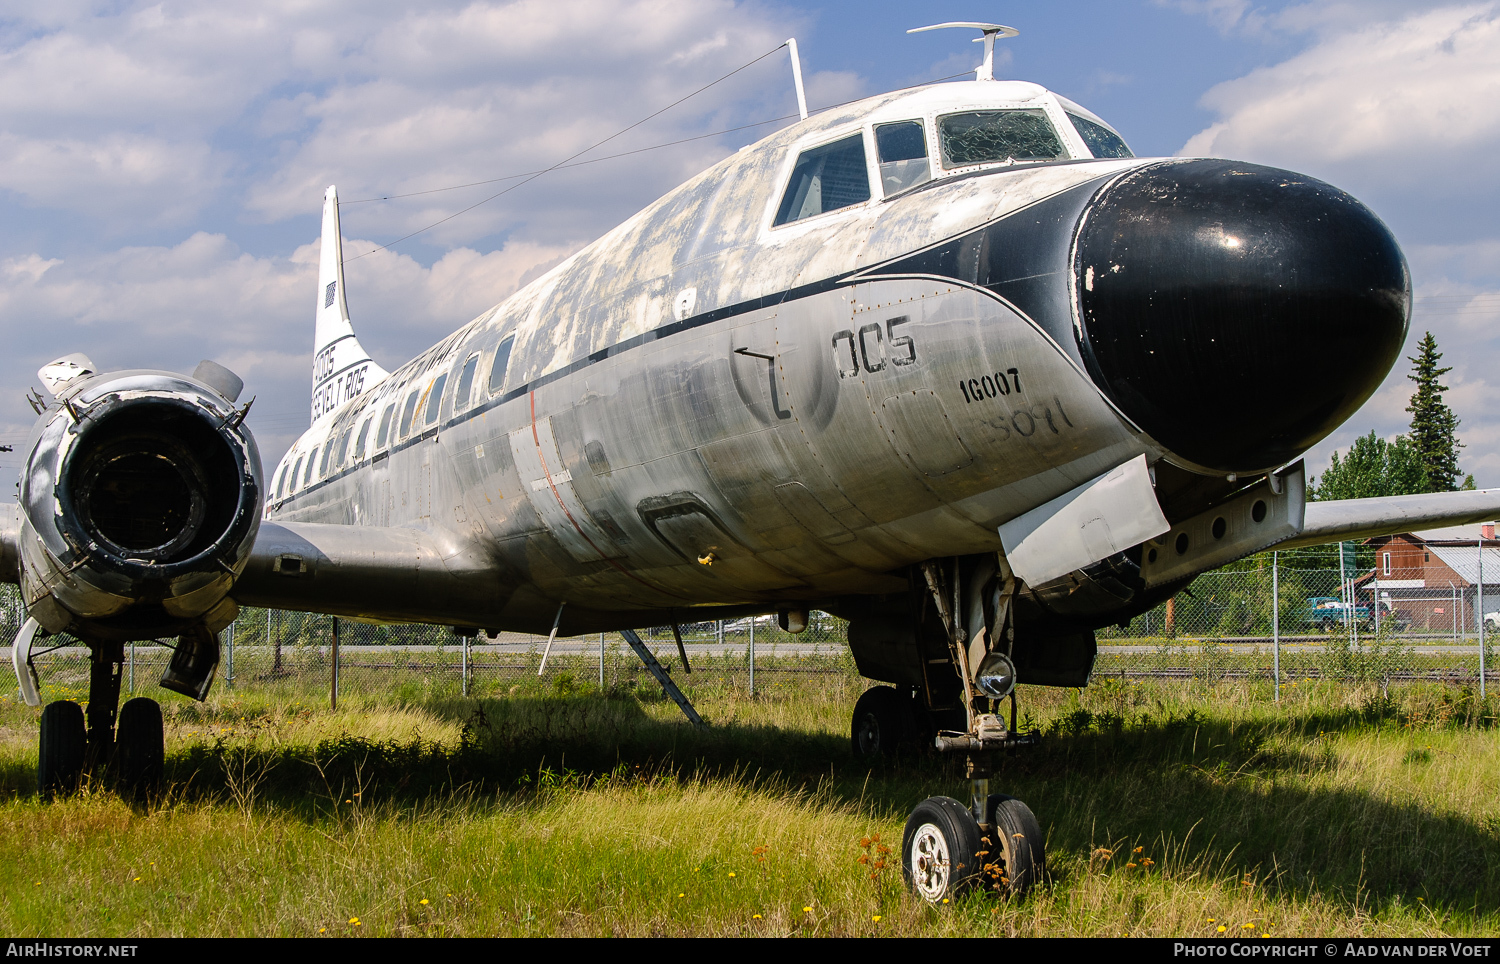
[{"x": 946, "y": 852}]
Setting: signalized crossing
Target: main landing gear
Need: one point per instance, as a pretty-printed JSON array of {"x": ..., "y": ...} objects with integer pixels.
[
  {"x": 994, "y": 841},
  {"x": 128, "y": 746}
]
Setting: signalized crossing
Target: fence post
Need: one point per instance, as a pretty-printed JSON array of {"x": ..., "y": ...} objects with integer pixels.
[
  {"x": 132, "y": 666},
  {"x": 333, "y": 693},
  {"x": 601, "y": 661},
  {"x": 229, "y": 640},
  {"x": 752, "y": 655},
  {"x": 1276, "y": 627},
  {"x": 463, "y": 670},
  {"x": 1479, "y": 611}
]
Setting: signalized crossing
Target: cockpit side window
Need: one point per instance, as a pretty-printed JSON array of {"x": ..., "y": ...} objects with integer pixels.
[
  {"x": 1101, "y": 141},
  {"x": 826, "y": 179},
  {"x": 988, "y": 136},
  {"x": 902, "y": 148}
]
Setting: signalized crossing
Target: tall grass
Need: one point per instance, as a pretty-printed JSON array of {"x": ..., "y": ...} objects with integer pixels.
[{"x": 555, "y": 808}]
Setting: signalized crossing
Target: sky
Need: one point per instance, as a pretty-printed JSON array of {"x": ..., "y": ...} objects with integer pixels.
[{"x": 162, "y": 165}]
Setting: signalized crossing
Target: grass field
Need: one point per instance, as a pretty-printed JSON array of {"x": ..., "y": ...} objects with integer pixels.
[{"x": 1171, "y": 808}]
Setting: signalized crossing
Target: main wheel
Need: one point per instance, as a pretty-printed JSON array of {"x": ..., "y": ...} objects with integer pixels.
[
  {"x": 60, "y": 755},
  {"x": 1016, "y": 860},
  {"x": 139, "y": 748},
  {"x": 940, "y": 849},
  {"x": 880, "y": 723}
]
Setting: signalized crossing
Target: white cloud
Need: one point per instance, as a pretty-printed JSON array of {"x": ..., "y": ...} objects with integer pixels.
[
  {"x": 1457, "y": 298},
  {"x": 268, "y": 104},
  {"x": 169, "y": 307},
  {"x": 1398, "y": 102}
]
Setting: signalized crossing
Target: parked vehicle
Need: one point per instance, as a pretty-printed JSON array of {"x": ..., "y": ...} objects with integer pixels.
[{"x": 1329, "y": 613}]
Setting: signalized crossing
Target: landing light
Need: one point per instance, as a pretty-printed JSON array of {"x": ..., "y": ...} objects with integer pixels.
[{"x": 996, "y": 676}]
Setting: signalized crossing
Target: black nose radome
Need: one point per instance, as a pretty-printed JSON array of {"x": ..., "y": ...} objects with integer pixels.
[{"x": 1237, "y": 313}]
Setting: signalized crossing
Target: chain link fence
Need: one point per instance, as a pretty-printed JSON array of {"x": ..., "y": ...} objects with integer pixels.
[{"x": 1274, "y": 617}]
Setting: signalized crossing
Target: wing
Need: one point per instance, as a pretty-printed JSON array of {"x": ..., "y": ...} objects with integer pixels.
[
  {"x": 1348, "y": 519},
  {"x": 380, "y": 574}
]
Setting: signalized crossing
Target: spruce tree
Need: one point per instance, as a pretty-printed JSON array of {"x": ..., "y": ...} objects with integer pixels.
[{"x": 1433, "y": 425}]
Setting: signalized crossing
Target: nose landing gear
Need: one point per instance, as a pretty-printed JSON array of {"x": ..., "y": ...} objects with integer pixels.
[{"x": 995, "y": 842}]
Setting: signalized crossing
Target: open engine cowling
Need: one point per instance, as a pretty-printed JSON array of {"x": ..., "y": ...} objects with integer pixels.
[{"x": 140, "y": 501}]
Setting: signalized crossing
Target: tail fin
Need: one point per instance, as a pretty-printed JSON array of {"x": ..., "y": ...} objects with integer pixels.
[{"x": 342, "y": 368}]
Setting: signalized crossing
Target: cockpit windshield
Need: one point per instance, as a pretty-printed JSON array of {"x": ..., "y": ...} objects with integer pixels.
[{"x": 990, "y": 136}]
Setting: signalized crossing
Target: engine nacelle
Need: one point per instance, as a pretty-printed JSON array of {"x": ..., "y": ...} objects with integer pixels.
[{"x": 140, "y": 500}]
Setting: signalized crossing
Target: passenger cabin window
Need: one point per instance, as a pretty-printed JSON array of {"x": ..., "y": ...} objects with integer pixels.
[
  {"x": 359, "y": 443},
  {"x": 465, "y": 384},
  {"x": 903, "y": 156},
  {"x": 344, "y": 446},
  {"x": 295, "y": 471},
  {"x": 502, "y": 362},
  {"x": 826, "y": 179},
  {"x": 408, "y": 410},
  {"x": 991, "y": 136},
  {"x": 434, "y": 399},
  {"x": 312, "y": 463},
  {"x": 281, "y": 481},
  {"x": 385, "y": 425},
  {"x": 1102, "y": 141},
  {"x": 327, "y": 452}
]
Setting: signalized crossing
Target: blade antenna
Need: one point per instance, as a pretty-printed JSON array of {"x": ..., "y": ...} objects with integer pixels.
[{"x": 990, "y": 31}]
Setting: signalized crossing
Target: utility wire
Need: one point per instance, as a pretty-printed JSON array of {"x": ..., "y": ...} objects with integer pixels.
[
  {"x": 532, "y": 175},
  {"x": 560, "y": 167},
  {"x": 565, "y": 160}
]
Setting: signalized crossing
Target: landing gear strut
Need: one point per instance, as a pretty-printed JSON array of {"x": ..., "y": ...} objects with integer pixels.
[{"x": 994, "y": 842}]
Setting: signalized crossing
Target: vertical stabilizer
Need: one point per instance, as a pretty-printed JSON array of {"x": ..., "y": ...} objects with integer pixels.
[{"x": 341, "y": 367}]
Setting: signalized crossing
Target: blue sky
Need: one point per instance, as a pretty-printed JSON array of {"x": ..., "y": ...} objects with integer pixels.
[{"x": 162, "y": 164}]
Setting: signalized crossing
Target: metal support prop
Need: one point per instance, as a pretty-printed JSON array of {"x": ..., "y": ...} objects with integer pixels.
[
  {"x": 667, "y": 685},
  {"x": 681, "y": 649},
  {"x": 556, "y": 622},
  {"x": 333, "y": 676},
  {"x": 1275, "y": 629}
]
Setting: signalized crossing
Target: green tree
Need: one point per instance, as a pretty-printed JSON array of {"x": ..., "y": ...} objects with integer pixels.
[
  {"x": 1371, "y": 468},
  {"x": 1434, "y": 427}
]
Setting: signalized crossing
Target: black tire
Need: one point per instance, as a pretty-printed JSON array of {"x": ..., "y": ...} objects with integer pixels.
[
  {"x": 140, "y": 749},
  {"x": 880, "y": 724},
  {"x": 60, "y": 754},
  {"x": 940, "y": 850},
  {"x": 1016, "y": 860}
]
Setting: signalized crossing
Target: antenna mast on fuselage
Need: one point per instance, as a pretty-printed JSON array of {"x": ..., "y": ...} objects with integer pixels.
[{"x": 986, "y": 70}]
